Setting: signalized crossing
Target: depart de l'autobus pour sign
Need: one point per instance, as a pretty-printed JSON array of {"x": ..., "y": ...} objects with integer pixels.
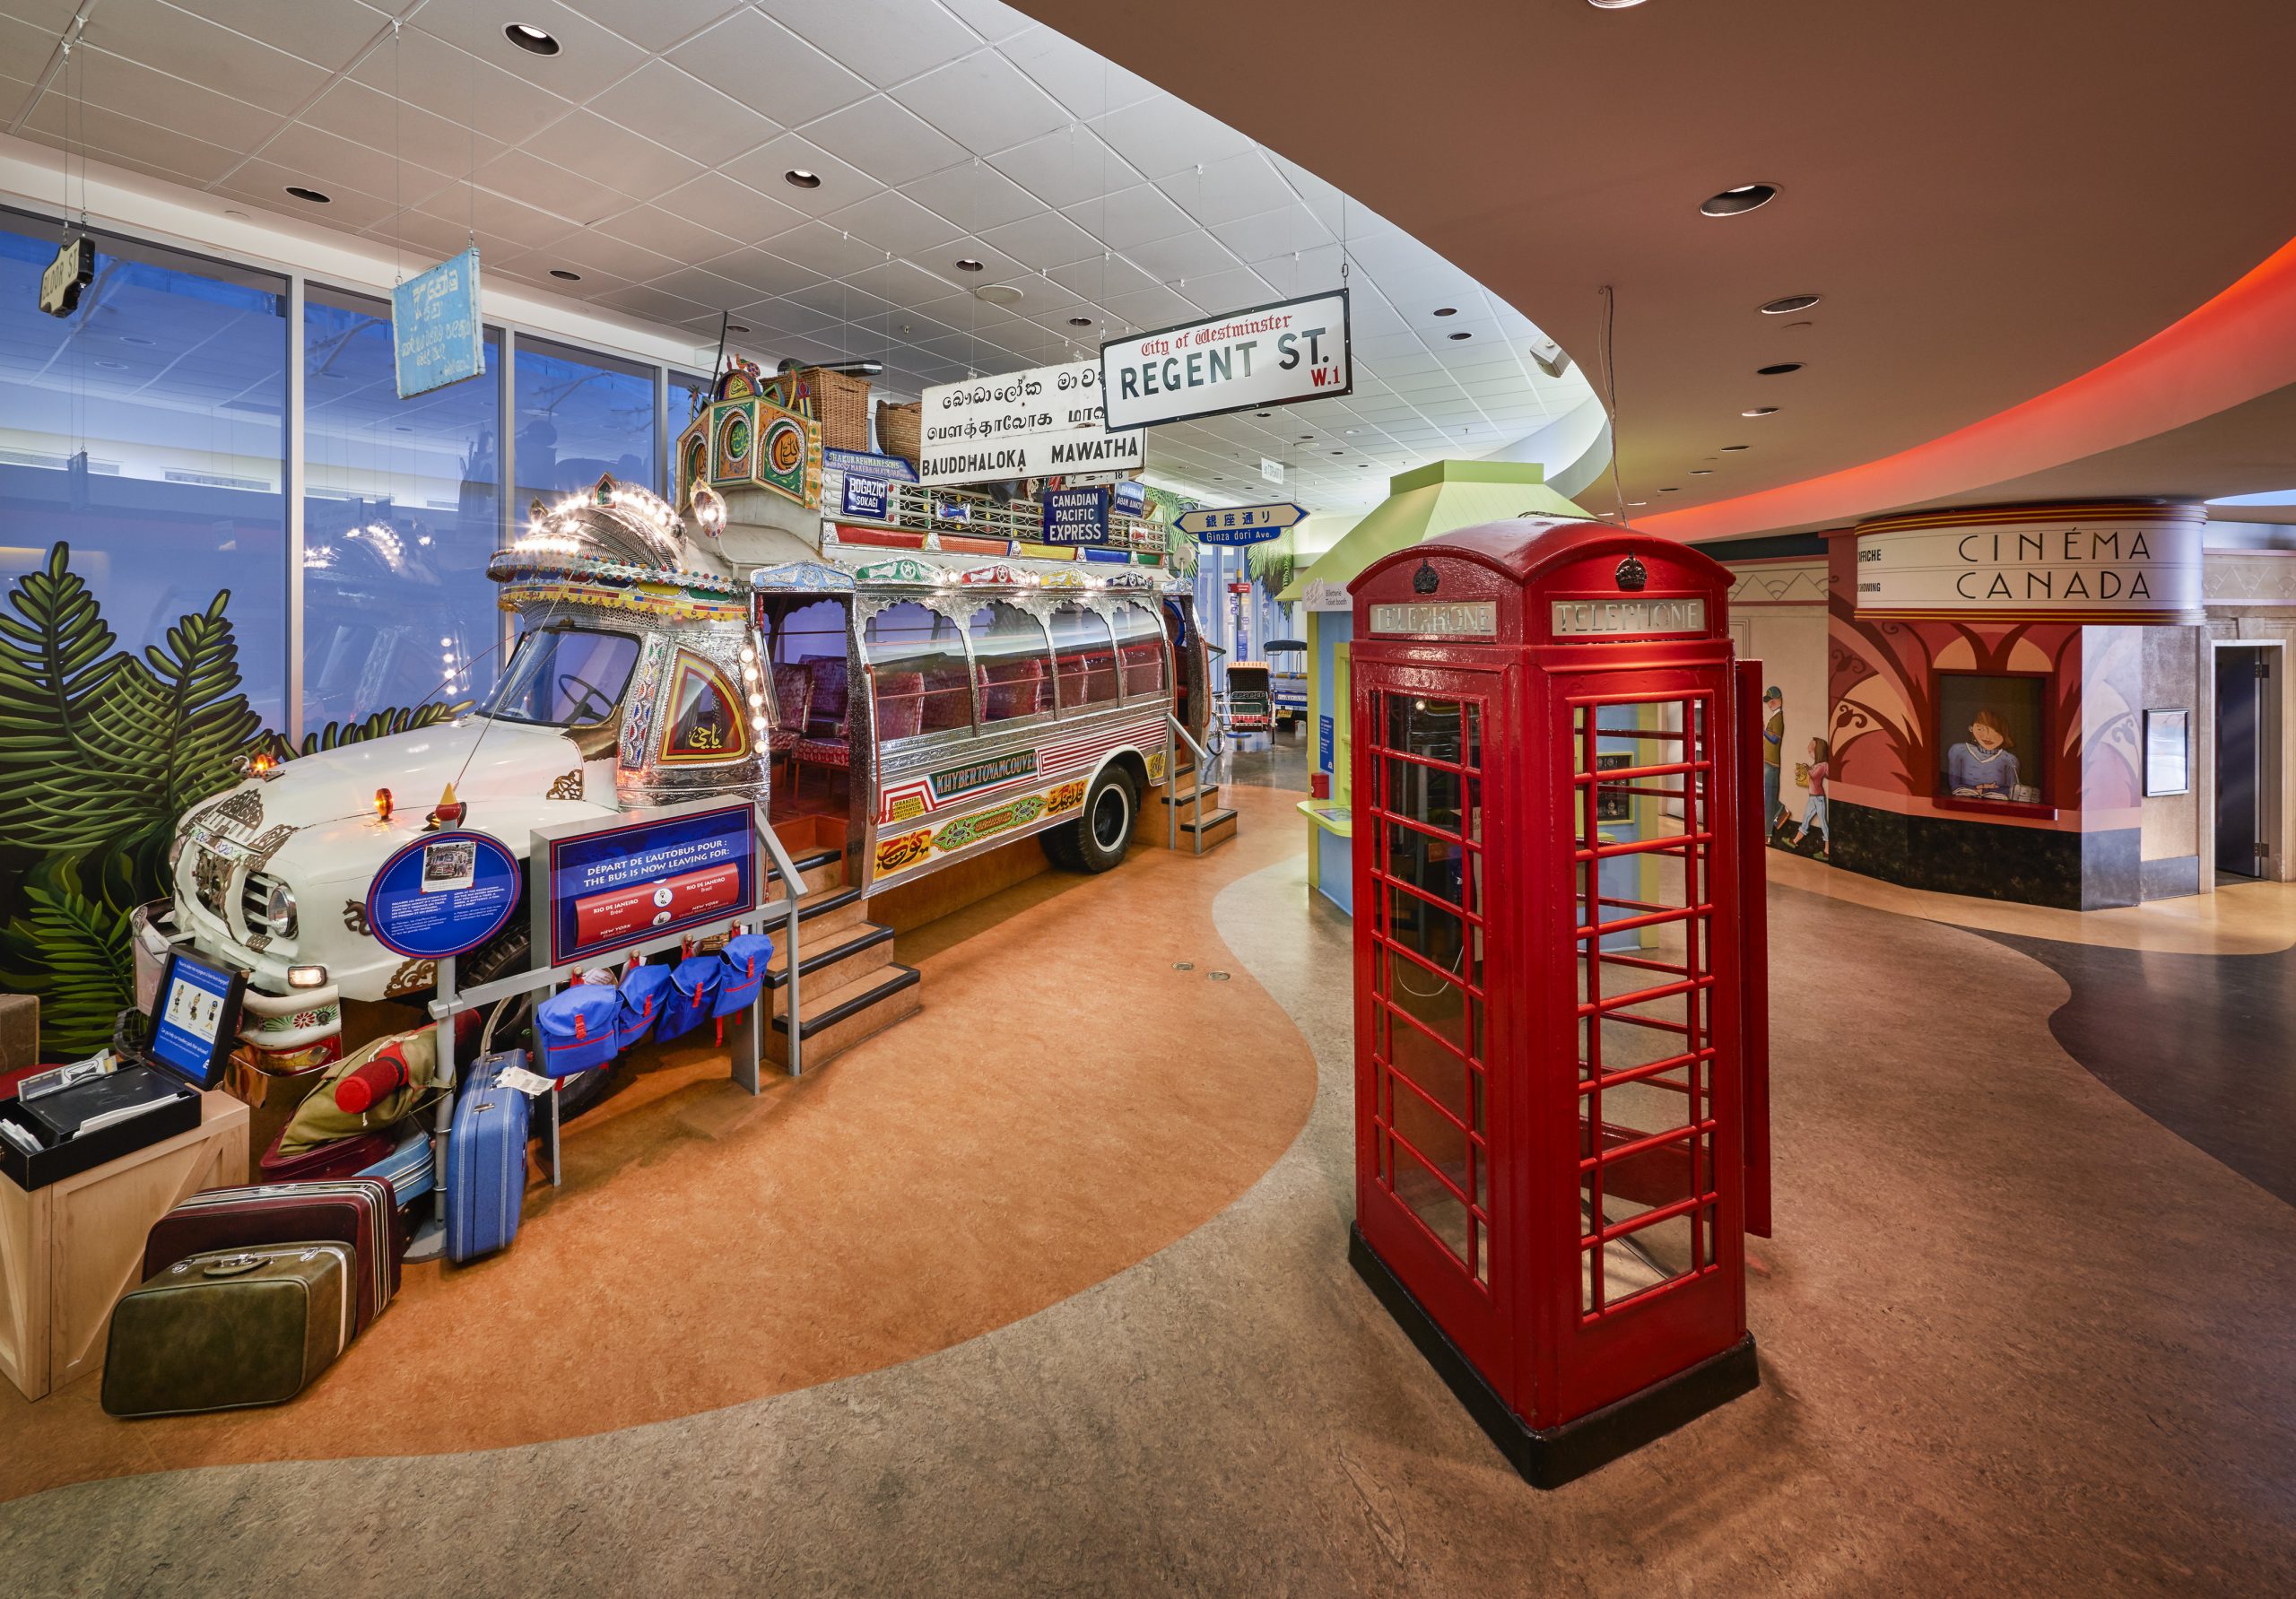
[{"x": 1268, "y": 355}]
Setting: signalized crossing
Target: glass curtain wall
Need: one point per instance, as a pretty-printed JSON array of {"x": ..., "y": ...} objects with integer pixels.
[
  {"x": 402, "y": 506},
  {"x": 148, "y": 431},
  {"x": 580, "y": 414}
]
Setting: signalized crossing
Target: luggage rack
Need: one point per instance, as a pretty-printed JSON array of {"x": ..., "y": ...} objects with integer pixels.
[{"x": 748, "y": 1040}]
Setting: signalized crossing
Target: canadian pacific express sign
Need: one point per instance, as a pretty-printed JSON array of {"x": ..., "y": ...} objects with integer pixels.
[{"x": 2134, "y": 563}]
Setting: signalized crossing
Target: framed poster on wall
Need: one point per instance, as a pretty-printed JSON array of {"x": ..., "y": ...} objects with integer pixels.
[
  {"x": 2168, "y": 753},
  {"x": 1993, "y": 737}
]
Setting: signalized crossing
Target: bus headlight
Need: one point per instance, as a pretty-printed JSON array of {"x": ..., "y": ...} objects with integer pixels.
[{"x": 279, "y": 911}]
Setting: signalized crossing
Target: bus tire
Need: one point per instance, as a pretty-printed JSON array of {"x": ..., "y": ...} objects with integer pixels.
[{"x": 1111, "y": 810}]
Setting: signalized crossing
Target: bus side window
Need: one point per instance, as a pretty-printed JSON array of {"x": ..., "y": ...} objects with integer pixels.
[
  {"x": 1085, "y": 656},
  {"x": 1014, "y": 666},
  {"x": 917, "y": 659},
  {"x": 1140, "y": 646}
]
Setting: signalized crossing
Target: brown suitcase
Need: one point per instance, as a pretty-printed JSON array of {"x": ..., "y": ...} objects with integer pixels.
[
  {"x": 230, "y": 1329},
  {"x": 359, "y": 1211}
]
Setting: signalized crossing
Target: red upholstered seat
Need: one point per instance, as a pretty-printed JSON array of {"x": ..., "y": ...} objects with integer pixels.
[
  {"x": 793, "y": 694},
  {"x": 825, "y": 710},
  {"x": 1016, "y": 688},
  {"x": 901, "y": 704},
  {"x": 833, "y": 752}
]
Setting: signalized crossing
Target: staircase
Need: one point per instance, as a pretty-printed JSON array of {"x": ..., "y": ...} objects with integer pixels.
[
  {"x": 850, "y": 986},
  {"x": 1179, "y": 807}
]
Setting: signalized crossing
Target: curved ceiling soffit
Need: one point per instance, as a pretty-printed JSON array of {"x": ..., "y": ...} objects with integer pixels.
[{"x": 2234, "y": 347}]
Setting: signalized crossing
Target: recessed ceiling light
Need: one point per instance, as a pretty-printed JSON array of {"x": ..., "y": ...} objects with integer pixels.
[
  {"x": 1447, "y": 310},
  {"x": 237, "y": 216},
  {"x": 1701, "y": 471},
  {"x": 1670, "y": 491},
  {"x": 571, "y": 277},
  {"x": 1790, "y": 305},
  {"x": 1728, "y": 447},
  {"x": 1761, "y": 411},
  {"x": 1339, "y": 452},
  {"x": 1463, "y": 333},
  {"x": 401, "y": 427},
  {"x": 1778, "y": 369},
  {"x": 1614, "y": 5},
  {"x": 1307, "y": 438},
  {"x": 967, "y": 264},
  {"x": 1638, "y": 502},
  {"x": 1738, "y": 201},
  {"x": 113, "y": 366},
  {"x": 134, "y": 338},
  {"x": 312, "y": 195},
  {"x": 998, "y": 294},
  {"x": 1262, "y": 415},
  {"x": 1080, "y": 322},
  {"x": 531, "y": 38},
  {"x": 798, "y": 178},
  {"x": 737, "y": 327}
]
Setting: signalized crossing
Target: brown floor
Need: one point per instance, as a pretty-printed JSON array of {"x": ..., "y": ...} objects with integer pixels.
[
  {"x": 1003, "y": 1149},
  {"x": 2016, "y": 1337}
]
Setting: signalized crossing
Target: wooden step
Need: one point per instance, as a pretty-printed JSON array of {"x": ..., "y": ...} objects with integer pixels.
[
  {"x": 1186, "y": 800},
  {"x": 836, "y": 966},
  {"x": 817, "y": 870},
  {"x": 1219, "y": 826},
  {"x": 826, "y": 910},
  {"x": 863, "y": 1008}
]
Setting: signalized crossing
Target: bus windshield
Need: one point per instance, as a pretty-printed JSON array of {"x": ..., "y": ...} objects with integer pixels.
[{"x": 564, "y": 677}]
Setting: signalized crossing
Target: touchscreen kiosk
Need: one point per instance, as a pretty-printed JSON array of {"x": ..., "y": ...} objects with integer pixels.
[{"x": 194, "y": 1019}]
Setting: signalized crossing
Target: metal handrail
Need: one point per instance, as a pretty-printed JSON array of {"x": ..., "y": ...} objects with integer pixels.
[{"x": 1171, "y": 776}]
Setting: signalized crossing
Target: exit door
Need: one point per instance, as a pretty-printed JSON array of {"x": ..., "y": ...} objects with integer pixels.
[{"x": 2239, "y": 761}]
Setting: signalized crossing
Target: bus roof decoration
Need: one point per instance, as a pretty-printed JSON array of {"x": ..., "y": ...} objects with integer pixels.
[{"x": 750, "y": 440}]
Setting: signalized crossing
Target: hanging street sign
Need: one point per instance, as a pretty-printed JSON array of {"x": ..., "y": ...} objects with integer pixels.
[
  {"x": 856, "y": 463},
  {"x": 1076, "y": 517},
  {"x": 1042, "y": 423},
  {"x": 437, "y": 336},
  {"x": 1269, "y": 355},
  {"x": 72, "y": 270},
  {"x": 1240, "y": 524}
]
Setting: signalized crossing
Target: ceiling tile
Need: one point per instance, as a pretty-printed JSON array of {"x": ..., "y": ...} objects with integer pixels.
[
  {"x": 534, "y": 267},
  {"x": 652, "y": 302},
  {"x": 266, "y": 185},
  {"x": 551, "y": 187},
  {"x": 109, "y": 135},
  {"x": 657, "y": 24},
  {"x": 1152, "y": 308},
  {"x": 761, "y": 270},
  {"x": 374, "y": 120},
  {"x": 766, "y": 170},
  {"x": 584, "y": 141},
  {"x": 983, "y": 102},
  {"x": 591, "y": 57},
  {"x": 150, "y": 95},
  {"x": 1065, "y": 167},
  {"x": 502, "y": 216},
  {"x": 671, "y": 234},
  {"x": 328, "y": 161},
  {"x": 1044, "y": 240},
  {"x": 1161, "y": 136},
  {"x": 49, "y": 16},
  {"x": 718, "y": 203},
  {"x": 825, "y": 249},
  {"x": 203, "y": 52},
  {"x": 426, "y": 71},
  {"x": 893, "y": 221},
  {"x": 842, "y": 304},
  {"x": 993, "y": 20},
  {"x": 883, "y": 40},
  {"x": 1226, "y": 190},
  {"x": 1182, "y": 256},
  {"x": 1096, "y": 279},
  {"x": 1231, "y": 290},
  {"x": 882, "y": 138},
  {"x": 418, "y": 238},
  {"x": 761, "y": 64},
  {"x": 592, "y": 249},
  {"x": 703, "y": 287},
  {"x": 975, "y": 196},
  {"x": 1129, "y": 217},
  {"x": 1087, "y": 84},
  {"x": 326, "y": 35},
  {"x": 1281, "y": 232},
  {"x": 674, "y": 109},
  {"x": 905, "y": 284}
]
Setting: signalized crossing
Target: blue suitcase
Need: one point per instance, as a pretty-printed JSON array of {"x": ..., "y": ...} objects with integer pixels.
[
  {"x": 408, "y": 1169},
  {"x": 486, "y": 1161}
]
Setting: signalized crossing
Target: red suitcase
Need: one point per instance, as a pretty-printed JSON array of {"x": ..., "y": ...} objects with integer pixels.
[
  {"x": 344, "y": 1157},
  {"x": 355, "y": 1211}
]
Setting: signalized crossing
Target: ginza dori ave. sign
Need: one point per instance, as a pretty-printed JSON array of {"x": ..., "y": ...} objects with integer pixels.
[
  {"x": 1269, "y": 355},
  {"x": 1043, "y": 423}
]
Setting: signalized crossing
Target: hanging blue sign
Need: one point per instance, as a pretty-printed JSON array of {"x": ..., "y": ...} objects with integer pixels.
[
  {"x": 857, "y": 463},
  {"x": 1131, "y": 497},
  {"x": 1240, "y": 524},
  {"x": 867, "y": 498},
  {"x": 1076, "y": 517},
  {"x": 437, "y": 336},
  {"x": 443, "y": 894}
]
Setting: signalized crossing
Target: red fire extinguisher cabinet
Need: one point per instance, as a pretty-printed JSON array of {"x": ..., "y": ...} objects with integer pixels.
[{"x": 1562, "y": 1102}]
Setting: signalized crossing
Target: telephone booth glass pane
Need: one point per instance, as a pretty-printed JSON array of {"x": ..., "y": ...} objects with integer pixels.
[
  {"x": 1427, "y": 921},
  {"x": 1643, "y": 845}
]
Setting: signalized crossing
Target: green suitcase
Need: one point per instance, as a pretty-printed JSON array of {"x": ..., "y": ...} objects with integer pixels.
[{"x": 230, "y": 1329}]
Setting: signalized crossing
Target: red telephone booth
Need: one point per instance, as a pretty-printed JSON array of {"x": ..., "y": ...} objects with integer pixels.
[{"x": 1562, "y": 1103}]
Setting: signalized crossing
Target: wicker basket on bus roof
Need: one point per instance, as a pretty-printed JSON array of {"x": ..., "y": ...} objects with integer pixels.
[
  {"x": 900, "y": 429},
  {"x": 838, "y": 401}
]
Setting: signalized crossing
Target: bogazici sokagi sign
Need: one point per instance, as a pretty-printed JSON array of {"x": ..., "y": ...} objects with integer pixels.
[{"x": 1268, "y": 355}]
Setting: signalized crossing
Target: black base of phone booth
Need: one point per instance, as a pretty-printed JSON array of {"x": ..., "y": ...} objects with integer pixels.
[{"x": 1551, "y": 1457}]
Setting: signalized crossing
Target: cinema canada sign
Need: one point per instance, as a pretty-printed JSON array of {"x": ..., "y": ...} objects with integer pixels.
[{"x": 2098, "y": 563}]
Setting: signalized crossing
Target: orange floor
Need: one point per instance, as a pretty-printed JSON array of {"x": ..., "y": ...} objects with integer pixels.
[{"x": 1001, "y": 1151}]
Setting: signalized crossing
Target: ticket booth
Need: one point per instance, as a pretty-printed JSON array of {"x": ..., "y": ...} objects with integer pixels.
[{"x": 1562, "y": 1101}]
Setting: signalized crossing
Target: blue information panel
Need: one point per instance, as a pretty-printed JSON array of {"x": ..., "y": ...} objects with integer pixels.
[
  {"x": 1076, "y": 517},
  {"x": 1323, "y": 743},
  {"x": 437, "y": 334},
  {"x": 443, "y": 894},
  {"x": 641, "y": 881},
  {"x": 195, "y": 1020}
]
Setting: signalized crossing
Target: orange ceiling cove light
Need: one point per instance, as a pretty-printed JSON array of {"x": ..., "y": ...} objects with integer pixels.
[{"x": 2232, "y": 348}]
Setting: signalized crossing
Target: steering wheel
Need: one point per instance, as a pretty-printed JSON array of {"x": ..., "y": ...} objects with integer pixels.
[{"x": 590, "y": 691}]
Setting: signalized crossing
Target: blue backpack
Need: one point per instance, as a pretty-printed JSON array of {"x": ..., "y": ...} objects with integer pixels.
[
  {"x": 645, "y": 990},
  {"x": 746, "y": 957},
  {"x": 693, "y": 991},
  {"x": 577, "y": 1027}
]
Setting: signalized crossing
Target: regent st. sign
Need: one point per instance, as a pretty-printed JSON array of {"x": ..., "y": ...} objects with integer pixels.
[{"x": 2059, "y": 564}]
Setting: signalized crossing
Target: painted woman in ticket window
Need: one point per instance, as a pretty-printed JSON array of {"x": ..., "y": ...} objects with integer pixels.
[{"x": 1985, "y": 766}]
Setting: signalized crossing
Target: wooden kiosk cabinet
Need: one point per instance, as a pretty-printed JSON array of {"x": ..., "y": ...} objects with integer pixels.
[{"x": 1561, "y": 1080}]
